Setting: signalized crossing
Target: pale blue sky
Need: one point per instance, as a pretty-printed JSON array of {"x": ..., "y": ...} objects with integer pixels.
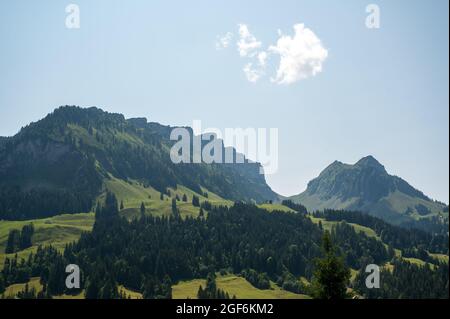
[{"x": 382, "y": 92}]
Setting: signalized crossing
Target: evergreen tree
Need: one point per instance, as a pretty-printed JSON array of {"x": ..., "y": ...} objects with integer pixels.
[
  {"x": 109, "y": 290},
  {"x": 12, "y": 243},
  {"x": 201, "y": 293},
  {"x": 195, "y": 201},
  {"x": 142, "y": 209},
  {"x": 92, "y": 289},
  {"x": 174, "y": 207},
  {"x": 2, "y": 284},
  {"x": 331, "y": 276},
  {"x": 111, "y": 206},
  {"x": 25, "y": 236}
]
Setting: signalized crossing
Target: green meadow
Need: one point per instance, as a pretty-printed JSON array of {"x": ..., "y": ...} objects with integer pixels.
[{"x": 234, "y": 286}]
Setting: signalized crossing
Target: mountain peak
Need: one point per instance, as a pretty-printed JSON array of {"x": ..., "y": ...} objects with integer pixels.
[
  {"x": 369, "y": 161},
  {"x": 366, "y": 186}
]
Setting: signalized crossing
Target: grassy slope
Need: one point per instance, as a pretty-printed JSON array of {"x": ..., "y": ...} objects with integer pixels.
[
  {"x": 233, "y": 285},
  {"x": 131, "y": 294},
  {"x": 132, "y": 193},
  {"x": 12, "y": 290},
  {"x": 57, "y": 231},
  {"x": 62, "y": 229},
  {"x": 327, "y": 225},
  {"x": 279, "y": 207}
]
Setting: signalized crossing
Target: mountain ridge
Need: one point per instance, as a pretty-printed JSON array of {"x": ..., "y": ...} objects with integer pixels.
[{"x": 59, "y": 163}]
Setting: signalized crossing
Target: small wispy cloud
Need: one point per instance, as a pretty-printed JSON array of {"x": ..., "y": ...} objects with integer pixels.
[
  {"x": 224, "y": 41},
  {"x": 247, "y": 44},
  {"x": 262, "y": 58},
  {"x": 300, "y": 56},
  {"x": 252, "y": 74}
]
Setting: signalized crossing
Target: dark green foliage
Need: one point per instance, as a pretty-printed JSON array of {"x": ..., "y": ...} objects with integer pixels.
[
  {"x": 154, "y": 289},
  {"x": 211, "y": 291},
  {"x": 108, "y": 212},
  {"x": 27, "y": 293},
  {"x": 142, "y": 209},
  {"x": 175, "y": 210},
  {"x": 195, "y": 201},
  {"x": 184, "y": 198},
  {"x": 357, "y": 247},
  {"x": 19, "y": 204},
  {"x": 2, "y": 284},
  {"x": 288, "y": 282},
  {"x": 25, "y": 236},
  {"x": 407, "y": 281},
  {"x": 12, "y": 245},
  {"x": 331, "y": 276},
  {"x": 142, "y": 254},
  {"x": 395, "y": 236},
  {"x": 299, "y": 208},
  {"x": 190, "y": 248},
  {"x": 258, "y": 280},
  {"x": 206, "y": 205},
  {"x": 56, "y": 277},
  {"x": 100, "y": 285},
  {"x": 19, "y": 240}
]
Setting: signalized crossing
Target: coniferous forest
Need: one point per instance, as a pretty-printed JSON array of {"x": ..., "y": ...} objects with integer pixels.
[{"x": 149, "y": 254}]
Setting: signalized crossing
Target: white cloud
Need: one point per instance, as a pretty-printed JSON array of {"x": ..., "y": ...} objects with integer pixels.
[
  {"x": 247, "y": 44},
  {"x": 224, "y": 41},
  {"x": 301, "y": 56},
  {"x": 252, "y": 73},
  {"x": 262, "y": 58}
]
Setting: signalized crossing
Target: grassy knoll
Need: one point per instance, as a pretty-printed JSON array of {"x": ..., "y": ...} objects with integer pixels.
[
  {"x": 278, "y": 207},
  {"x": 56, "y": 231},
  {"x": 327, "y": 225},
  {"x": 233, "y": 285},
  {"x": 131, "y": 294}
]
